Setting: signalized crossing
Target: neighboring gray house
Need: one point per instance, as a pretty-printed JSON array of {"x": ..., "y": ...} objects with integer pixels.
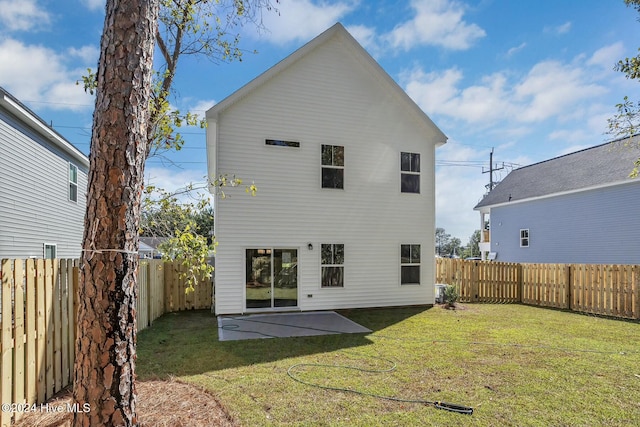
[
  {"x": 43, "y": 181},
  {"x": 577, "y": 208},
  {"x": 344, "y": 162}
]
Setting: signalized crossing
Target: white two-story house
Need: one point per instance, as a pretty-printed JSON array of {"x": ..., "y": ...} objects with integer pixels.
[
  {"x": 344, "y": 164},
  {"x": 43, "y": 181}
]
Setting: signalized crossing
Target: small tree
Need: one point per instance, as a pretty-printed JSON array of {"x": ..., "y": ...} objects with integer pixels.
[
  {"x": 450, "y": 296},
  {"x": 187, "y": 224}
]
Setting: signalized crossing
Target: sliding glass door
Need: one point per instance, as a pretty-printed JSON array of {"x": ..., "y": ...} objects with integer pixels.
[{"x": 271, "y": 278}]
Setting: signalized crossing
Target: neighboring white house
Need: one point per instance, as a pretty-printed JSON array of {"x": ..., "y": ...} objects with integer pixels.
[
  {"x": 43, "y": 181},
  {"x": 577, "y": 208},
  {"x": 344, "y": 164}
]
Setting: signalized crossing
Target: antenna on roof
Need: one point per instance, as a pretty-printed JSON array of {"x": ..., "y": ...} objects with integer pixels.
[{"x": 491, "y": 170}]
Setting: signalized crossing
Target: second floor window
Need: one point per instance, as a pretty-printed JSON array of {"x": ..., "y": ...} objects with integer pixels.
[
  {"x": 524, "y": 238},
  {"x": 73, "y": 183},
  {"x": 410, "y": 172},
  {"x": 333, "y": 166}
]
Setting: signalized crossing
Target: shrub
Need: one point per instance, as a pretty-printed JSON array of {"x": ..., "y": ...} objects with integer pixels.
[{"x": 450, "y": 296}]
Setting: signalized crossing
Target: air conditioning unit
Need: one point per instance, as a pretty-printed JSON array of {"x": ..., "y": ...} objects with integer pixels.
[{"x": 440, "y": 287}]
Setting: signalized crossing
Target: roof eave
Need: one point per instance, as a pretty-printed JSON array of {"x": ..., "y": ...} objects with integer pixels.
[{"x": 35, "y": 123}]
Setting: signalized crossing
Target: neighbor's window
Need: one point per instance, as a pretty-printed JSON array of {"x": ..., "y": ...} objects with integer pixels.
[
  {"x": 524, "y": 238},
  {"x": 49, "y": 251},
  {"x": 281, "y": 143},
  {"x": 332, "y": 166},
  {"x": 332, "y": 265},
  {"x": 409, "y": 264},
  {"x": 73, "y": 183},
  {"x": 410, "y": 172}
]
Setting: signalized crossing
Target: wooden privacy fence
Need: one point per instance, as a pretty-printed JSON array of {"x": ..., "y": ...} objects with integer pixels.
[
  {"x": 611, "y": 290},
  {"x": 38, "y": 321}
]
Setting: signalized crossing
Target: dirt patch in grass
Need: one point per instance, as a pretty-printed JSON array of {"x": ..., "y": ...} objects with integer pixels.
[{"x": 160, "y": 403}]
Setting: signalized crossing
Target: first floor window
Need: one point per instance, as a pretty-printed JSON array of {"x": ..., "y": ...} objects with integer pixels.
[
  {"x": 73, "y": 183},
  {"x": 410, "y": 172},
  {"x": 409, "y": 264},
  {"x": 332, "y": 166},
  {"x": 524, "y": 238},
  {"x": 49, "y": 251},
  {"x": 332, "y": 265}
]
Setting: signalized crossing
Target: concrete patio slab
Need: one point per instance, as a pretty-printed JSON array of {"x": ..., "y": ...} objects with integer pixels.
[{"x": 282, "y": 325}]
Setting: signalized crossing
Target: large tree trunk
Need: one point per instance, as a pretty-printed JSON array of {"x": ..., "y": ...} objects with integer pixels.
[{"x": 106, "y": 346}]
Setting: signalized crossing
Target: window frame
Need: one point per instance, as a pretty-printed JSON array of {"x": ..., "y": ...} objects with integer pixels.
[
  {"x": 332, "y": 265},
  {"x": 282, "y": 143},
  {"x": 413, "y": 170},
  {"x": 51, "y": 245},
  {"x": 411, "y": 263},
  {"x": 525, "y": 239},
  {"x": 332, "y": 166},
  {"x": 72, "y": 184}
]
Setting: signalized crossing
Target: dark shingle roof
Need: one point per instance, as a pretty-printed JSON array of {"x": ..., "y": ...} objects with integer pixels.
[{"x": 600, "y": 165}]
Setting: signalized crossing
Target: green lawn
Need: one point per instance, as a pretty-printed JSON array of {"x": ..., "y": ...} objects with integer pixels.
[{"x": 515, "y": 365}]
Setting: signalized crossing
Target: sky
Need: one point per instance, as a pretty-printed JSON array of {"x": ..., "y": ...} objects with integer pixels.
[{"x": 530, "y": 80}]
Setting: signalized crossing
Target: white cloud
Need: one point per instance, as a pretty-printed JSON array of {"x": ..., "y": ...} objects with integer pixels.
[
  {"x": 607, "y": 56},
  {"x": 550, "y": 89},
  {"x": 437, "y": 23},
  {"x": 22, "y": 15},
  {"x": 36, "y": 73},
  {"x": 559, "y": 29},
  {"x": 431, "y": 90},
  {"x": 439, "y": 93},
  {"x": 94, "y": 4},
  {"x": 516, "y": 49},
  {"x": 366, "y": 36},
  {"x": 201, "y": 107},
  {"x": 454, "y": 208},
  {"x": 88, "y": 54},
  {"x": 171, "y": 180},
  {"x": 303, "y": 19},
  {"x": 553, "y": 89}
]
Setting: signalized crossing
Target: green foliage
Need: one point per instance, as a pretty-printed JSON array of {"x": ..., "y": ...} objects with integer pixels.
[
  {"x": 187, "y": 224},
  {"x": 473, "y": 246},
  {"x": 447, "y": 245},
  {"x": 190, "y": 27},
  {"x": 626, "y": 122},
  {"x": 450, "y": 296}
]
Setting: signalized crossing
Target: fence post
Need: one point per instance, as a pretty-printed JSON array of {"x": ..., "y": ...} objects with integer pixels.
[
  {"x": 474, "y": 281},
  {"x": 6, "y": 366},
  {"x": 636, "y": 292},
  {"x": 519, "y": 283},
  {"x": 568, "y": 277}
]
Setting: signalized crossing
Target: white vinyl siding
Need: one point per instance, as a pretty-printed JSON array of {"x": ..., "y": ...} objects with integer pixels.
[{"x": 325, "y": 98}]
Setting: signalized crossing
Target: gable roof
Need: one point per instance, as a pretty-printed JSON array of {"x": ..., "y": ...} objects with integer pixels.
[
  {"x": 33, "y": 121},
  {"x": 602, "y": 165},
  {"x": 337, "y": 30}
]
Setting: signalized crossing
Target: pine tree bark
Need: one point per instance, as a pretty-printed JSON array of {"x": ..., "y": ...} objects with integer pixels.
[{"x": 104, "y": 372}]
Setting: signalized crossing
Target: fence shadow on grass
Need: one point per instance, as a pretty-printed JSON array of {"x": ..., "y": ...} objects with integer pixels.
[{"x": 186, "y": 343}]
